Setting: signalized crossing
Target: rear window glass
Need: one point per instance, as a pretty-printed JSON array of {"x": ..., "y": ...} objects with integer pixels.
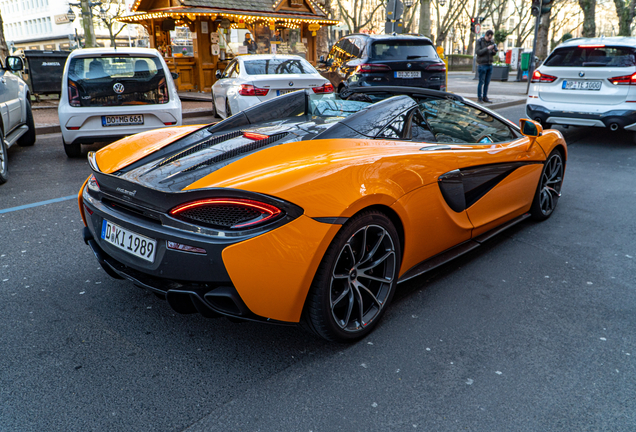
[
  {"x": 329, "y": 106},
  {"x": 402, "y": 50},
  {"x": 278, "y": 66},
  {"x": 599, "y": 56},
  {"x": 111, "y": 81}
]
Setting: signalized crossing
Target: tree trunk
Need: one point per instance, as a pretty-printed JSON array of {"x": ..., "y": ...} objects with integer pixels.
[
  {"x": 589, "y": 17},
  {"x": 4, "y": 51},
  {"x": 425, "y": 18},
  {"x": 625, "y": 13},
  {"x": 542, "y": 37}
]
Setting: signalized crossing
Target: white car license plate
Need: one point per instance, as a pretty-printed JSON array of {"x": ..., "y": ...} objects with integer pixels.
[
  {"x": 131, "y": 242},
  {"x": 581, "y": 85},
  {"x": 282, "y": 92},
  {"x": 123, "y": 120},
  {"x": 408, "y": 74}
]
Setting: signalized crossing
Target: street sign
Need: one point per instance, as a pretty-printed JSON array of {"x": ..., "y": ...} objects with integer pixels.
[
  {"x": 391, "y": 27},
  {"x": 394, "y": 10},
  {"x": 477, "y": 28}
]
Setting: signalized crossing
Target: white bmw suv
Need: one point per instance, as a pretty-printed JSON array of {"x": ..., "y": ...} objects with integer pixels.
[
  {"x": 111, "y": 93},
  {"x": 587, "y": 82}
]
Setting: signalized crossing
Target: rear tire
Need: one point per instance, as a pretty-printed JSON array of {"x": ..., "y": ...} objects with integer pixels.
[
  {"x": 634, "y": 137},
  {"x": 228, "y": 110},
  {"x": 549, "y": 189},
  {"x": 4, "y": 161},
  {"x": 356, "y": 279},
  {"x": 28, "y": 139},
  {"x": 72, "y": 150}
]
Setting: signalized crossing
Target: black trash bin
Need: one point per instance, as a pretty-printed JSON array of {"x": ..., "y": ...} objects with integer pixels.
[{"x": 43, "y": 71}]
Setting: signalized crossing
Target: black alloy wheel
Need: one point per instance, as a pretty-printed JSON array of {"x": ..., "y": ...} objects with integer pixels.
[
  {"x": 549, "y": 190},
  {"x": 356, "y": 279},
  {"x": 28, "y": 139},
  {"x": 4, "y": 162}
]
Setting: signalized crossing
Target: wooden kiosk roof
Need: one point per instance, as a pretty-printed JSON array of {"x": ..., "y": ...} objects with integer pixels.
[{"x": 248, "y": 10}]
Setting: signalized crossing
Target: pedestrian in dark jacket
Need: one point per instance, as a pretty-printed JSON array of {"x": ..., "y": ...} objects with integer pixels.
[{"x": 485, "y": 50}]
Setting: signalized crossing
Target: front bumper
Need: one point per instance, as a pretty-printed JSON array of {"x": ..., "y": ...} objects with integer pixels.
[
  {"x": 614, "y": 119},
  {"x": 261, "y": 277}
]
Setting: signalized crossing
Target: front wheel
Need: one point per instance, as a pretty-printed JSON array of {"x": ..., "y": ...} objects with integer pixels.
[
  {"x": 28, "y": 139},
  {"x": 214, "y": 111},
  {"x": 356, "y": 279},
  {"x": 4, "y": 162},
  {"x": 549, "y": 189}
]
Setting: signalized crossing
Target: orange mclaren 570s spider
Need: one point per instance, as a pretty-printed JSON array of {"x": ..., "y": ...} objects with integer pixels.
[{"x": 310, "y": 208}]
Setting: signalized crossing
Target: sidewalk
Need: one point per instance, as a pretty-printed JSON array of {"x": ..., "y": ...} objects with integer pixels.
[{"x": 502, "y": 93}]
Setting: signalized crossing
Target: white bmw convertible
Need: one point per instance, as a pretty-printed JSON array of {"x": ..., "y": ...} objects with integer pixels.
[{"x": 250, "y": 79}]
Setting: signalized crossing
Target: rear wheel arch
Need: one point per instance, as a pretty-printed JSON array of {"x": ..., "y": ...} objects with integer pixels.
[{"x": 393, "y": 216}]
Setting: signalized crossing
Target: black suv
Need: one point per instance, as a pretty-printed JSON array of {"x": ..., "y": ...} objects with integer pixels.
[{"x": 360, "y": 60}]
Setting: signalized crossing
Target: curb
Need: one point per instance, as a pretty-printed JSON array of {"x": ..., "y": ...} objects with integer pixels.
[{"x": 43, "y": 130}]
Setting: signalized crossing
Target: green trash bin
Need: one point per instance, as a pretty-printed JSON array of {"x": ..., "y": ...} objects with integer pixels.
[{"x": 525, "y": 61}]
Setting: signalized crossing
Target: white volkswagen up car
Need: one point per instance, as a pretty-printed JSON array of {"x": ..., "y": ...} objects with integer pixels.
[
  {"x": 587, "y": 82},
  {"x": 111, "y": 93}
]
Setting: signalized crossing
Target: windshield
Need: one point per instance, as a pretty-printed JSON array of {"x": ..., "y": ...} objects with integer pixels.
[
  {"x": 277, "y": 66},
  {"x": 403, "y": 50},
  {"x": 329, "y": 105},
  {"x": 116, "y": 80},
  {"x": 592, "y": 56}
]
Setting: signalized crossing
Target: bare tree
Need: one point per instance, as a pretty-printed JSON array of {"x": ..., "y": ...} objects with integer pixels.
[
  {"x": 114, "y": 9},
  {"x": 625, "y": 12},
  {"x": 589, "y": 17},
  {"x": 361, "y": 13},
  {"x": 4, "y": 50},
  {"x": 445, "y": 23}
]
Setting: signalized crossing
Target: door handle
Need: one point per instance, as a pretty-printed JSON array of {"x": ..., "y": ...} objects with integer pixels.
[{"x": 3, "y": 80}]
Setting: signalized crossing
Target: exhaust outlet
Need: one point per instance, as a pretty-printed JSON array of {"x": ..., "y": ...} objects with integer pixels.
[{"x": 614, "y": 126}]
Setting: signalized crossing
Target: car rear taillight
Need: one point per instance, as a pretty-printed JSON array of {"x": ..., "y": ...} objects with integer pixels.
[
  {"x": 250, "y": 90},
  {"x": 227, "y": 213},
  {"x": 254, "y": 135},
  {"x": 370, "y": 68},
  {"x": 325, "y": 88},
  {"x": 623, "y": 80},
  {"x": 92, "y": 183},
  {"x": 437, "y": 67},
  {"x": 163, "y": 91},
  {"x": 538, "y": 77},
  {"x": 73, "y": 94}
]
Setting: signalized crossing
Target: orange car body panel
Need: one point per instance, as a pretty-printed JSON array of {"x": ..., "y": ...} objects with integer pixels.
[
  {"x": 132, "y": 148},
  {"x": 430, "y": 226},
  {"x": 282, "y": 264},
  {"x": 346, "y": 176}
]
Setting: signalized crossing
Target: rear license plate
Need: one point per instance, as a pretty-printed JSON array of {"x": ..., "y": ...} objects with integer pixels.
[
  {"x": 123, "y": 120},
  {"x": 581, "y": 85},
  {"x": 131, "y": 242},
  {"x": 282, "y": 92},
  {"x": 408, "y": 74}
]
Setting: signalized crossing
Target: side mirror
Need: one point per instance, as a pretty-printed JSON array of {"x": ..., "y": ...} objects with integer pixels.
[
  {"x": 14, "y": 64},
  {"x": 530, "y": 128},
  {"x": 174, "y": 75},
  {"x": 218, "y": 74}
]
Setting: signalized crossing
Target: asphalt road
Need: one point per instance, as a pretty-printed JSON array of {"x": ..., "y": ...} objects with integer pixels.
[{"x": 532, "y": 332}]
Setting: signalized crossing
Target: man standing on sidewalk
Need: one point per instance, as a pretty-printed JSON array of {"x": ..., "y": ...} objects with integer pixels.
[{"x": 485, "y": 51}]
